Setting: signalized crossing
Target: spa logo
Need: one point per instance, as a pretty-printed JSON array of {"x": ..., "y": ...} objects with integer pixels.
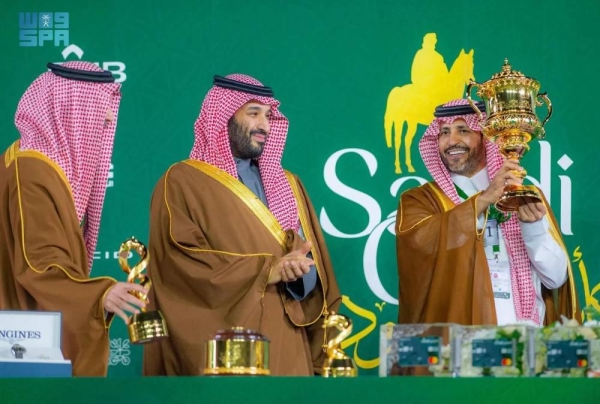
[{"x": 41, "y": 28}]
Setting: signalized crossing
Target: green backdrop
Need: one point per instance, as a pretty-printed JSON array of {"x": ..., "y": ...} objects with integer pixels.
[{"x": 332, "y": 64}]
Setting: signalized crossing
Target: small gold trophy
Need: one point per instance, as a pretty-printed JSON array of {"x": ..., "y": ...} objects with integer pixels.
[
  {"x": 510, "y": 100},
  {"x": 237, "y": 352},
  {"x": 147, "y": 326},
  {"x": 337, "y": 363}
]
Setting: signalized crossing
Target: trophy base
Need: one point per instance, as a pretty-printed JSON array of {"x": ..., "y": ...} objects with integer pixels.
[
  {"x": 237, "y": 371},
  {"x": 340, "y": 368},
  {"x": 517, "y": 195},
  {"x": 147, "y": 327}
]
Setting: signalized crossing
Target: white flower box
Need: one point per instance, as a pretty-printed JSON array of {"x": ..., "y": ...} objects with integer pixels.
[
  {"x": 567, "y": 351},
  {"x": 415, "y": 349}
]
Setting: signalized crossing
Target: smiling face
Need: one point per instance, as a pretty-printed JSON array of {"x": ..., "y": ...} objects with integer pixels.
[
  {"x": 461, "y": 149},
  {"x": 249, "y": 130}
]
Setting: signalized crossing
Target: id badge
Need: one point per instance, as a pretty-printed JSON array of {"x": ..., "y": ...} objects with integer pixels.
[{"x": 500, "y": 275}]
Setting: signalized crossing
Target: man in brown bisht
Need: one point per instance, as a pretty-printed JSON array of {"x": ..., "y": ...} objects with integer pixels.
[
  {"x": 52, "y": 186},
  {"x": 460, "y": 259},
  {"x": 235, "y": 241}
]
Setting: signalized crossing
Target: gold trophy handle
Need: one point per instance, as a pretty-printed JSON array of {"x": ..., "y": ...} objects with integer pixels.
[
  {"x": 136, "y": 272},
  {"x": 544, "y": 97},
  {"x": 474, "y": 84},
  {"x": 344, "y": 325}
]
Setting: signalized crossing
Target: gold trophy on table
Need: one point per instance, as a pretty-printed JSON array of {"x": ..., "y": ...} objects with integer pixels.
[
  {"x": 237, "y": 352},
  {"x": 146, "y": 326},
  {"x": 337, "y": 363},
  {"x": 510, "y": 99}
]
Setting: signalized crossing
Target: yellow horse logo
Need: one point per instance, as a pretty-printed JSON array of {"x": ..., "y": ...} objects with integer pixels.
[{"x": 432, "y": 85}]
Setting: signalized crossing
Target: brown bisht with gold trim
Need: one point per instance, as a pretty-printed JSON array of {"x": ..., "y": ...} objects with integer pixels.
[
  {"x": 212, "y": 246},
  {"x": 43, "y": 258},
  {"x": 443, "y": 268}
]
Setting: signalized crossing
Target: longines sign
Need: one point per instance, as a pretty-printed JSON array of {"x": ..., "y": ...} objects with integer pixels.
[{"x": 35, "y": 329}]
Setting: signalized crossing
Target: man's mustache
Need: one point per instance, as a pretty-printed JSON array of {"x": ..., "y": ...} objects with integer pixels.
[{"x": 449, "y": 149}]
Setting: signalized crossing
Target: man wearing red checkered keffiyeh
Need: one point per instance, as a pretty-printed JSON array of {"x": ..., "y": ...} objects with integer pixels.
[
  {"x": 52, "y": 186},
  {"x": 460, "y": 260},
  {"x": 235, "y": 241}
]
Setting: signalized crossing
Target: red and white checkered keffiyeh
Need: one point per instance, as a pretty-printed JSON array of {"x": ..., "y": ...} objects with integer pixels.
[
  {"x": 212, "y": 145},
  {"x": 65, "y": 120},
  {"x": 520, "y": 265}
]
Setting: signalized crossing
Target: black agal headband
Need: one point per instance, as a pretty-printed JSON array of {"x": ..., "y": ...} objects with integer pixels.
[
  {"x": 230, "y": 84},
  {"x": 453, "y": 110},
  {"x": 81, "y": 75}
]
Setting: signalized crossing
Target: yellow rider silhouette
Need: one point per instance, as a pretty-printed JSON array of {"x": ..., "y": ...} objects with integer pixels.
[
  {"x": 432, "y": 85},
  {"x": 428, "y": 65}
]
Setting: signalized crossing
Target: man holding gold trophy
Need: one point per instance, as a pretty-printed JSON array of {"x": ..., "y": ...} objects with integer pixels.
[
  {"x": 476, "y": 246},
  {"x": 236, "y": 250},
  {"x": 52, "y": 186}
]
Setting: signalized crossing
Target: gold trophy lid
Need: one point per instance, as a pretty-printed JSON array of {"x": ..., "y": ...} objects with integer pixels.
[
  {"x": 506, "y": 78},
  {"x": 239, "y": 333},
  {"x": 507, "y": 71}
]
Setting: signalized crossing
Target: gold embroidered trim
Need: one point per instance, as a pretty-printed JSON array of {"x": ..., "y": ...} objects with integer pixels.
[
  {"x": 447, "y": 203},
  {"x": 9, "y": 154},
  {"x": 556, "y": 236},
  {"x": 41, "y": 271},
  {"x": 308, "y": 232},
  {"x": 255, "y": 205},
  {"x": 193, "y": 248},
  {"x": 13, "y": 152}
]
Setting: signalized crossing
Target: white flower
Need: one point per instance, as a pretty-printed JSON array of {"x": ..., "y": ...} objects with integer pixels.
[{"x": 587, "y": 333}]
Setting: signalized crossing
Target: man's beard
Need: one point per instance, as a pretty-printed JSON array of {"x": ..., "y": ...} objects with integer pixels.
[
  {"x": 240, "y": 140},
  {"x": 467, "y": 167}
]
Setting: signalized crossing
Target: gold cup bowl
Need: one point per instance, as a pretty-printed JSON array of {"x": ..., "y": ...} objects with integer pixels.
[
  {"x": 237, "y": 351},
  {"x": 146, "y": 326},
  {"x": 510, "y": 99}
]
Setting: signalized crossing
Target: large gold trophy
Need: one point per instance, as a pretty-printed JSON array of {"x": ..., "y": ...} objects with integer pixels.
[
  {"x": 510, "y": 100},
  {"x": 147, "y": 326},
  {"x": 337, "y": 363}
]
